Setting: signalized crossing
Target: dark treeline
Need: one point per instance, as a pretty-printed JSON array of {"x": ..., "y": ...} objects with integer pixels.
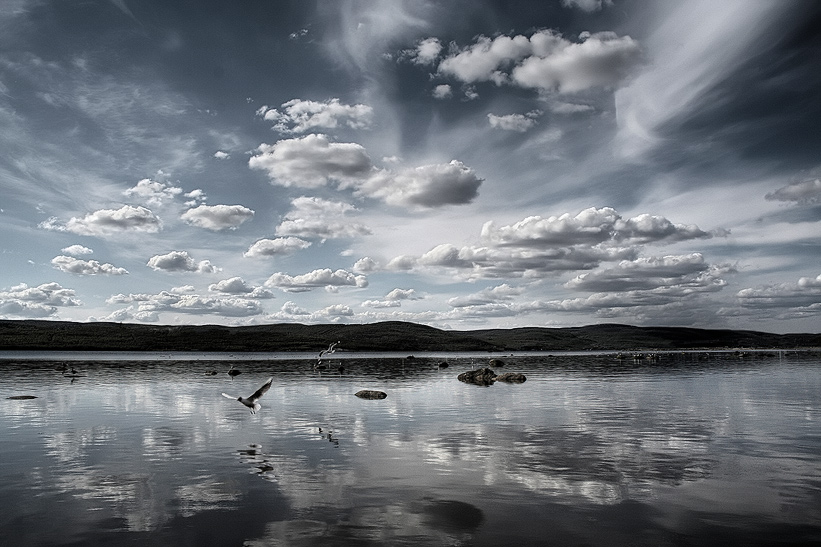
[{"x": 387, "y": 336}]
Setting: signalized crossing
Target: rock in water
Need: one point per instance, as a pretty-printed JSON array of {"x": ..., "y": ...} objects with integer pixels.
[
  {"x": 22, "y": 397},
  {"x": 511, "y": 377},
  {"x": 480, "y": 377},
  {"x": 371, "y": 394}
]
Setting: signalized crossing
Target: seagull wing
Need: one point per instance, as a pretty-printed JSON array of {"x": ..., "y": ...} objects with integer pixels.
[
  {"x": 261, "y": 391},
  {"x": 229, "y": 396}
]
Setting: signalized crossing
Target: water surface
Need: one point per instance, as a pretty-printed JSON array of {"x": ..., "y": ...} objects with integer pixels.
[{"x": 688, "y": 449}]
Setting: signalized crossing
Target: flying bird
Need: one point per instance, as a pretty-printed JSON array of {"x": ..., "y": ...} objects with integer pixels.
[
  {"x": 251, "y": 401},
  {"x": 331, "y": 349},
  {"x": 233, "y": 372}
]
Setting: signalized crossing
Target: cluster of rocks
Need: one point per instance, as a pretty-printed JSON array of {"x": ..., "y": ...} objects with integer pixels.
[{"x": 487, "y": 376}]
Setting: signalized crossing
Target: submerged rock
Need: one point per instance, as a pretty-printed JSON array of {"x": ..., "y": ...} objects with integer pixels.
[
  {"x": 480, "y": 377},
  {"x": 371, "y": 394},
  {"x": 512, "y": 378}
]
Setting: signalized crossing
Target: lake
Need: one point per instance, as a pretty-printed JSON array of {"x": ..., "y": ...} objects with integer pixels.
[{"x": 593, "y": 449}]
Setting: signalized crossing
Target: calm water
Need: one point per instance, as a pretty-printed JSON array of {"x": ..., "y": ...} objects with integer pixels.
[{"x": 591, "y": 450}]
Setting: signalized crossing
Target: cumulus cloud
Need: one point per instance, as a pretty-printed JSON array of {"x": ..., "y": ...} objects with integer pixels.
[
  {"x": 426, "y": 51},
  {"x": 237, "y": 285},
  {"x": 805, "y": 192},
  {"x": 180, "y": 261},
  {"x": 152, "y": 192},
  {"x": 277, "y": 246},
  {"x": 392, "y": 300},
  {"x": 488, "y": 296},
  {"x": 217, "y": 217},
  {"x": 365, "y": 264},
  {"x": 800, "y": 299},
  {"x": 41, "y": 301},
  {"x": 442, "y": 91},
  {"x": 591, "y": 226},
  {"x": 514, "y": 122},
  {"x": 682, "y": 273},
  {"x": 587, "y": 5},
  {"x": 312, "y": 217},
  {"x": 221, "y": 155},
  {"x": 76, "y": 250},
  {"x": 426, "y": 186},
  {"x": 317, "y": 278},
  {"x": 300, "y": 116},
  {"x": 314, "y": 161},
  {"x": 546, "y": 61},
  {"x": 73, "y": 265},
  {"x": 311, "y": 161},
  {"x": 148, "y": 306},
  {"x": 108, "y": 221}
]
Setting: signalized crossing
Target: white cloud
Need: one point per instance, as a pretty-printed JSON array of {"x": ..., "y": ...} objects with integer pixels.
[
  {"x": 514, "y": 122},
  {"x": 802, "y": 298},
  {"x": 401, "y": 294},
  {"x": 426, "y": 52},
  {"x": 442, "y": 91},
  {"x": 180, "y": 261},
  {"x": 221, "y": 155},
  {"x": 365, "y": 265},
  {"x": 108, "y": 221},
  {"x": 591, "y": 226},
  {"x": 152, "y": 192},
  {"x": 300, "y": 116},
  {"x": 426, "y": 186},
  {"x": 317, "y": 278},
  {"x": 314, "y": 161},
  {"x": 76, "y": 250},
  {"x": 149, "y": 305},
  {"x": 217, "y": 217},
  {"x": 73, "y": 265},
  {"x": 546, "y": 61},
  {"x": 237, "y": 285},
  {"x": 492, "y": 296},
  {"x": 41, "y": 301},
  {"x": 318, "y": 218},
  {"x": 311, "y": 161},
  {"x": 587, "y": 5},
  {"x": 278, "y": 246},
  {"x": 808, "y": 191}
]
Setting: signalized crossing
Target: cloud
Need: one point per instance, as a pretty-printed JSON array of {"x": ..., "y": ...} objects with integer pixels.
[
  {"x": 300, "y": 116},
  {"x": 365, "y": 264},
  {"x": 426, "y": 186},
  {"x": 314, "y": 161},
  {"x": 318, "y": 218},
  {"x": 149, "y": 305},
  {"x": 426, "y": 52},
  {"x": 514, "y": 122},
  {"x": 73, "y": 265},
  {"x": 587, "y": 5},
  {"x": 180, "y": 261},
  {"x": 221, "y": 155},
  {"x": 41, "y": 301},
  {"x": 442, "y": 91},
  {"x": 546, "y": 61},
  {"x": 108, "y": 221},
  {"x": 317, "y": 278},
  {"x": 278, "y": 246},
  {"x": 799, "y": 299},
  {"x": 237, "y": 285},
  {"x": 152, "y": 192},
  {"x": 76, "y": 250},
  {"x": 492, "y": 296},
  {"x": 392, "y": 300},
  {"x": 805, "y": 192},
  {"x": 679, "y": 273},
  {"x": 591, "y": 226},
  {"x": 217, "y": 217},
  {"x": 311, "y": 161}
]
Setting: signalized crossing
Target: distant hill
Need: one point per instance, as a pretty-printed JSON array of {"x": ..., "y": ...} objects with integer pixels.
[{"x": 386, "y": 336}]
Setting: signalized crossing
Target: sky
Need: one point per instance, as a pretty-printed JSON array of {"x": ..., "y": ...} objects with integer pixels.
[{"x": 462, "y": 164}]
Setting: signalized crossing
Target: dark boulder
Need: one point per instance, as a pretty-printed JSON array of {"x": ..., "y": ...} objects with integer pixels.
[
  {"x": 496, "y": 363},
  {"x": 371, "y": 394},
  {"x": 480, "y": 377},
  {"x": 511, "y": 377}
]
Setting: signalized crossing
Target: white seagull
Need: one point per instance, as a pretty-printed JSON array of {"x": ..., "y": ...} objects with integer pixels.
[{"x": 251, "y": 402}]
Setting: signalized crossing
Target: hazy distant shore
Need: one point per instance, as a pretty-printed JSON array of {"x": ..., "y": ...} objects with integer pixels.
[{"x": 386, "y": 336}]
